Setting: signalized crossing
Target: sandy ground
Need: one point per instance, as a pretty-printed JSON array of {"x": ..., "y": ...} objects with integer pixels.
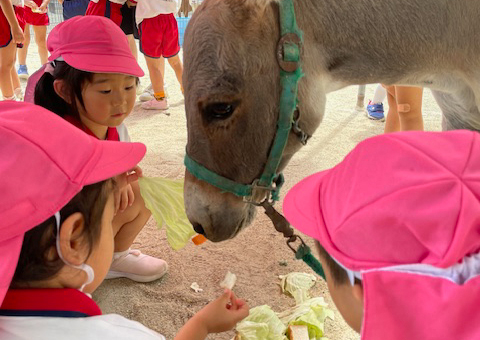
[{"x": 255, "y": 254}]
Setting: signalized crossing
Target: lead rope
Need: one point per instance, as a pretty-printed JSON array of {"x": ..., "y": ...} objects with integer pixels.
[{"x": 303, "y": 251}]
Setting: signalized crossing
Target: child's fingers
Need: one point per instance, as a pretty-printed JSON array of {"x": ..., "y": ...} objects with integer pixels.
[
  {"x": 131, "y": 196},
  {"x": 123, "y": 200},
  {"x": 132, "y": 177},
  {"x": 138, "y": 170}
]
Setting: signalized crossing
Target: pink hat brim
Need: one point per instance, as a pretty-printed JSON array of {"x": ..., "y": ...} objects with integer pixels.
[
  {"x": 301, "y": 205},
  {"x": 115, "y": 158},
  {"x": 92, "y": 63}
]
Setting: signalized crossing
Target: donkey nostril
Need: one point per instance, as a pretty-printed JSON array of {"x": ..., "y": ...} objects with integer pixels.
[{"x": 198, "y": 229}]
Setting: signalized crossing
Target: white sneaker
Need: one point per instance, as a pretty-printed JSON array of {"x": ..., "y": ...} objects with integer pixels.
[
  {"x": 154, "y": 104},
  {"x": 18, "y": 93},
  {"x": 147, "y": 94},
  {"x": 136, "y": 266}
]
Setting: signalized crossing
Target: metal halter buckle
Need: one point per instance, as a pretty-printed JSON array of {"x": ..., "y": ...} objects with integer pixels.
[{"x": 286, "y": 49}]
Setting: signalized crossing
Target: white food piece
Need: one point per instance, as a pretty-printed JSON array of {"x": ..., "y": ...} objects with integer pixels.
[
  {"x": 298, "y": 332},
  {"x": 196, "y": 287},
  {"x": 229, "y": 281}
]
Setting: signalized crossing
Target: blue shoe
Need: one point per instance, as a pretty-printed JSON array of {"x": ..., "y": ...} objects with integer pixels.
[
  {"x": 22, "y": 72},
  {"x": 375, "y": 111}
]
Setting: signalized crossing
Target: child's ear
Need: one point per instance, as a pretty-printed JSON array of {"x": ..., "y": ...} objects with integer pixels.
[
  {"x": 357, "y": 291},
  {"x": 61, "y": 90},
  {"x": 72, "y": 242}
]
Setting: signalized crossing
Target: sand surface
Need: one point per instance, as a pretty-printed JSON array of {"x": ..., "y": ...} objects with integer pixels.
[{"x": 255, "y": 254}]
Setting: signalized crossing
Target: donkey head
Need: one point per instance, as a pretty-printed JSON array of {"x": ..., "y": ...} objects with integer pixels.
[{"x": 232, "y": 89}]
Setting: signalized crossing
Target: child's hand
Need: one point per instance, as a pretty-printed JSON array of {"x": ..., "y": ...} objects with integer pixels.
[
  {"x": 31, "y": 4},
  {"x": 123, "y": 194},
  {"x": 223, "y": 313},
  {"x": 44, "y": 6},
  {"x": 131, "y": 4},
  {"x": 17, "y": 34},
  {"x": 124, "y": 198}
]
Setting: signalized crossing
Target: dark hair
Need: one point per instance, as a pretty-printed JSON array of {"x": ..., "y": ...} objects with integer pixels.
[
  {"x": 36, "y": 262},
  {"x": 339, "y": 274},
  {"x": 74, "y": 79}
]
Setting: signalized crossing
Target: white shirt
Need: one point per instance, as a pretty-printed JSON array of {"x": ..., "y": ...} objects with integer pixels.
[
  {"x": 101, "y": 327},
  {"x": 152, "y": 8}
]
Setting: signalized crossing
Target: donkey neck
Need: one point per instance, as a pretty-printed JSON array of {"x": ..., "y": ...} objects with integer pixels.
[{"x": 368, "y": 41}]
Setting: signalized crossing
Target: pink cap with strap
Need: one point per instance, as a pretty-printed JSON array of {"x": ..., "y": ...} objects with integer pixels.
[
  {"x": 45, "y": 162},
  {"x": 88, "y": 43},
  {"x": 412, "y": 231}
]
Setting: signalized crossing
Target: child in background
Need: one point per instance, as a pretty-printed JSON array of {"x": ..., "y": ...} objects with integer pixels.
[
  {"x": 107, "y": 8},
  {"x": 405, "y": 109},
  {"x": 401, "y": 251},
  {"x": 11, "y": 34},
  {"x": 56, "y": 233},
  {"x": 73, "y": 8},
  {"x": 35, "y": 15},
  {"x": 91, "y": 82},
  {"x": 159, "y": 38}
]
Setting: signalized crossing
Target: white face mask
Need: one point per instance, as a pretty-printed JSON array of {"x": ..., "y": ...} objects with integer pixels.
[{"x": 85, "y": 267}]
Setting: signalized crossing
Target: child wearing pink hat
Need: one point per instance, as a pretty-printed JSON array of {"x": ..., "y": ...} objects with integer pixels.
[
  {"x": 401, "y": 251},
  {"x": 56, "y": 212},
  {"x": 91, "y": 82}
]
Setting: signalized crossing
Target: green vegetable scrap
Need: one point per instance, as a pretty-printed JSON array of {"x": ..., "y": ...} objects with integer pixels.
[
  {"x": 261, "y": 324},
  {"x": 311, "y": 313},
  {"x": 164, "y": 198},
  {"x": 264, "y": 324},
  {"x": 297, "y": 285}
]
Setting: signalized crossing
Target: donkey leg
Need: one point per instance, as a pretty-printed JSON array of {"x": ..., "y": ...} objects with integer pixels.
[{"x": 460, "y": 110}]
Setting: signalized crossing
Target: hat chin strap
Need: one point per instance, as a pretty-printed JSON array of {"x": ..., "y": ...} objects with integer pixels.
[{"x": 85, "y": 267}]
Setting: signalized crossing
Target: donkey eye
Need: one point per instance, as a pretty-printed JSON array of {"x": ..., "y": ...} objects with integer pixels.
[{"x": 219, "y": 110}]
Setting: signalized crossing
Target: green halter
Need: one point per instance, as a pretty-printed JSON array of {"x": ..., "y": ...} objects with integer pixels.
[{"x": 289, "y": 50}]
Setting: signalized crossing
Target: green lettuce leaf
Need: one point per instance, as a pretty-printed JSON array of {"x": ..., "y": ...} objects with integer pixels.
[
  {"x": 311, "y": 313},
  {"x": 164, "y": 198},
  {"x": 261, "y": 324},
  {"x": 297, "y": 285}
]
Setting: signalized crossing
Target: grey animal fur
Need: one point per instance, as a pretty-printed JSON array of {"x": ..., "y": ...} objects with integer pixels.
[{"x": 229, "y": 56}]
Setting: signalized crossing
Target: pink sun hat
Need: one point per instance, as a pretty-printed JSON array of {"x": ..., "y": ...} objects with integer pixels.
[
  {"x": 45, "y": 162},
  {"x": 89, "y": 43},
  {"x": 411, "y": 232}
]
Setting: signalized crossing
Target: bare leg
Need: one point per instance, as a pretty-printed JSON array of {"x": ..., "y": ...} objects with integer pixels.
[
  {"x": 156, "y": 77},
  {"x": 7, "y": 62},
  {"x": 162, "y": 66},
  {"x": 409, "y": 107},
  {"x": 392, "y": 123},
  {"x": 177, "y": 66},
  {"x": 133, "y": 45},
  {"x": 13, "y": 72},
  {"x": 22, "y": 52},
  {"x": 127, "y": 224},
  {"x": 41, "y": 40}
]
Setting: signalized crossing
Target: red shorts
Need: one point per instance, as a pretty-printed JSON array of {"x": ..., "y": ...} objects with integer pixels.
[
  {"x": 107, "y": 9},
  {"x": 5, "y": 33},
  {"x": 159, "y": 36},
  {"x": 20, "y": 14},
  {"x": 35, "y": 19}
]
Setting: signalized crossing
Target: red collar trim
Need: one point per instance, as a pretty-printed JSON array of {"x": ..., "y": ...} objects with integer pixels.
[
  {"x": 68, "y": 302},
  {"x": 112, "y": 133}
]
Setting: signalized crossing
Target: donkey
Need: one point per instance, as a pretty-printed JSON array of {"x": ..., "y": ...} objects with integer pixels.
[{"x": 232, "y": 80}]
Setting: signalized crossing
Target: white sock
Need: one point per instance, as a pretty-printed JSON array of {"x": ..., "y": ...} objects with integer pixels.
[{"x": 380, "y": 95}]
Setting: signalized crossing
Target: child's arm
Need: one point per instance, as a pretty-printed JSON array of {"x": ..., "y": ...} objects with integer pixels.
[
  {"x": 218, "y": 316},
  {"x": 9, "y": 13}
]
